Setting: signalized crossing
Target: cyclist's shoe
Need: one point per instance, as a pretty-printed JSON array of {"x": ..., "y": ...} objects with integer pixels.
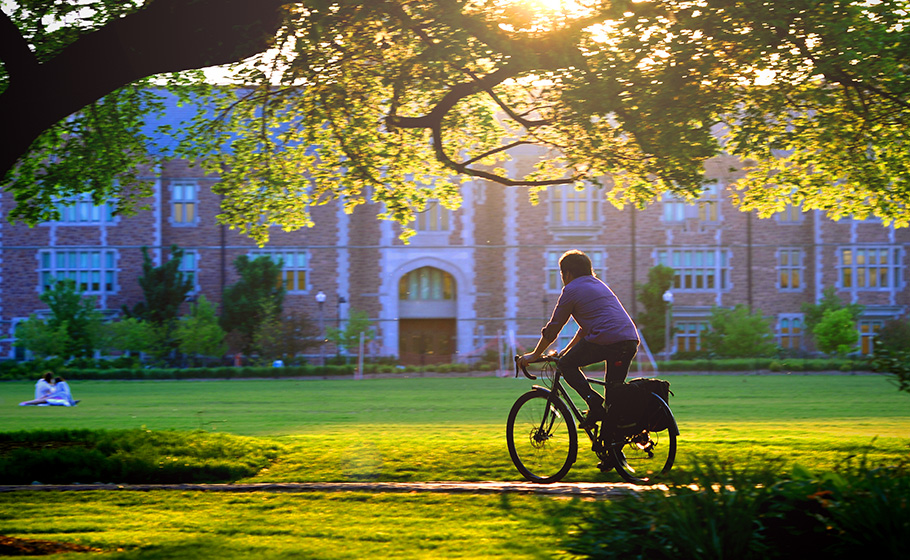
[{"x": 592, "y": 417}]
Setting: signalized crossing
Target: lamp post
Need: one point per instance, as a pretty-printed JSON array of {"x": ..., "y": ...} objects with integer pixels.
[
  {"x": 341, "y": 300},
  {"x": 320, "y": 300},
  {"x": 668, "y": 299}
]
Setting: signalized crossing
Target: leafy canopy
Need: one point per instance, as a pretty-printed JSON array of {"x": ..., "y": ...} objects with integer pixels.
[{"x": 397, "y": 101}]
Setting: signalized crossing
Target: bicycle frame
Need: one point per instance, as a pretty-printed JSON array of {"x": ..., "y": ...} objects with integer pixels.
[{"x": 557, "y": 391}]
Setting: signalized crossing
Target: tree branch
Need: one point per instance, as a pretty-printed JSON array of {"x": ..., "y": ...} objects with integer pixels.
[
  {"x": 17, "y": 57},
  {"x": 164, "y": 36}
]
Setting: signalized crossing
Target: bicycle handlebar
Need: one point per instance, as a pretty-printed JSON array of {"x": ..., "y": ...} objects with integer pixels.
[
  {"x": 551, "y": 357},
  {"x": 524, "y": 370}
]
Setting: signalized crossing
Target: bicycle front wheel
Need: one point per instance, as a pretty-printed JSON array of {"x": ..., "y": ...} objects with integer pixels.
[
  {"x": 646, "y": 457},
  {"x": 541, "y": 436}
]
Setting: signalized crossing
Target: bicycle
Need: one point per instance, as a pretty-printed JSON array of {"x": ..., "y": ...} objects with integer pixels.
[{"x": 543, "y": 439}]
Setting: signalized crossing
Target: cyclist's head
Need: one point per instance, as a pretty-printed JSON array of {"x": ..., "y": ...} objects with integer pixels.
[{"x": 575, "y": 263}]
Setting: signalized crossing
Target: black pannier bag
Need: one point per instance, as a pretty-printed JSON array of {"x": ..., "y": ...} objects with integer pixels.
[{"x": 632, "y": 408}]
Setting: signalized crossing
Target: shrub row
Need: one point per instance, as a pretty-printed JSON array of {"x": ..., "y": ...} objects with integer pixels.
[
  {"x": 267, "y": 372},
  {"x": 226, "y": 372},
  {"x": 770, "y": 364}
]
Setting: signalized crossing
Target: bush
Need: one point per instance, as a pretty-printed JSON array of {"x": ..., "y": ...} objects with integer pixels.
[
  {"x": 745, "y": 515},
  {"x": 836, "y": 332},
  {"x": 739, "y": 333},
  {"x": 895, "y": 363},
  {"x": 894, "y": 336}
]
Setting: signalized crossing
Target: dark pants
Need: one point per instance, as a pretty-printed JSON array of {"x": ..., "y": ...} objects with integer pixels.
[{"x": 618, "y": 358}]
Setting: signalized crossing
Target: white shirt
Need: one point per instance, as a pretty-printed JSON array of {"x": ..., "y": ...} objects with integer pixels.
[{"x": 43, "y": 389}]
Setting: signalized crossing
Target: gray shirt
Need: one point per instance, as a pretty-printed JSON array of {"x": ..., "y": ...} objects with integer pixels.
[{"x": 600, "y": 316}]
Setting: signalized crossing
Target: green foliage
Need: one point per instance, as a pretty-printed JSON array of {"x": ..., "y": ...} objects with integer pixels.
[
  {"x": 131, "y": 457},
  {"x": 35, "y": 335},
  {"x": 165, "y": 289},
  {"x": 255, "y": 298},
  {"x": 199, "y": 332},
  {"x": 653, "y": 320},
  {"x": 813, "y": 313},
  {"x": 73, "y": 328},
  {"x": 739, "y": 333},
  {"x": 286, "y": 337},
  {"x": 894, "y": 335},
  {"x": 349, "y": 337},
  {"x": 836, "y": 332},
  {"x": 129, "y": 335},
  {"x": 815, "y": 365},
  {"x": 745, "y": 513},
  {"x": 814, "y": 95},
  {"x": 895, "y": 362}
]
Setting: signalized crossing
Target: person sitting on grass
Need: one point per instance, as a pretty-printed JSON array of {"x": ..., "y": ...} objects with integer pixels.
[
  {"x": 60, "y": 396},
  {"x": 45, "y": 385}
]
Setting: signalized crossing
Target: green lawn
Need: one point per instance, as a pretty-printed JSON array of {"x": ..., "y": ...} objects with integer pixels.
[{"x": 411, "y": 430}]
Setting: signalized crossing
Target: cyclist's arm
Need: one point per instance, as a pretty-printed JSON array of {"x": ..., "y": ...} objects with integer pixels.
[{"x": 541, "y": 347}]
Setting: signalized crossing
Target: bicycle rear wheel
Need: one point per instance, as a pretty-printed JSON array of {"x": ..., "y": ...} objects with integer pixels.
[
  {"x": 646, "y": 457},
  {"x": 541, "y": 436}
]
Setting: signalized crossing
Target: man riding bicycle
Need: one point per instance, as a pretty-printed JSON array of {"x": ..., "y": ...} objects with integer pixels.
[{"x": 605, "y": 332}]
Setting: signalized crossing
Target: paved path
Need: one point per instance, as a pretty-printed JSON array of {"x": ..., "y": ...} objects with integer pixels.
[{"x": 579, "y": 489}]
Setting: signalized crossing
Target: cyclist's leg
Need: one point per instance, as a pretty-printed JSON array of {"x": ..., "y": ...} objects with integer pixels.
[
  {"x": 583, "y": 353},
  {"x": 618, "y": 358}
]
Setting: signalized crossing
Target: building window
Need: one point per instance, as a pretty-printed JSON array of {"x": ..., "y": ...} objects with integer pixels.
[
  {"x": 868, "y": 330},
  {"x": 696, "y": 269},
  {"x": 706, "y": 208},
  {"x": 688, "y": 335},
  {"x": 674, "y": 208},
  {"x": 790, "y": 331},
  {"x": 790, "y": 215},
  {"x": 869, "y": 268},
  {"x": 554, "y": 279},
  {"x": 434, "y": 218},
  {"x": 183, "y": 203},
  {"x": 81, "y": 209},
  {"x": 709, "y": 205},
  {"x": 188, "y": 267},
  {"x": 571, "y": 207},
  {"x": 426, "y": 283},
  {"x": 789, "y": 267},
  {"x": 92, "y": 271},
  {"x": 294, "y": 268}
]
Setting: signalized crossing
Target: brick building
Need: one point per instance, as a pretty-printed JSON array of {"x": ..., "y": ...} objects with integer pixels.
[{"x": 472, "y": 274}]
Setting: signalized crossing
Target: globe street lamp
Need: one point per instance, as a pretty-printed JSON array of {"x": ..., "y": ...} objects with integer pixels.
[
  {"x": 341, "y": 301},
  {"x": 668, "y": 299}
]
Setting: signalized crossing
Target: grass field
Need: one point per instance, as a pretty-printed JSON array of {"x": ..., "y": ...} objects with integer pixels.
[{"x": 412, "y": 430}]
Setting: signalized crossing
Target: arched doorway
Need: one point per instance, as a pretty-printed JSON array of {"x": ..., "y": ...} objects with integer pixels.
[{"x": 426, "y": 316}]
